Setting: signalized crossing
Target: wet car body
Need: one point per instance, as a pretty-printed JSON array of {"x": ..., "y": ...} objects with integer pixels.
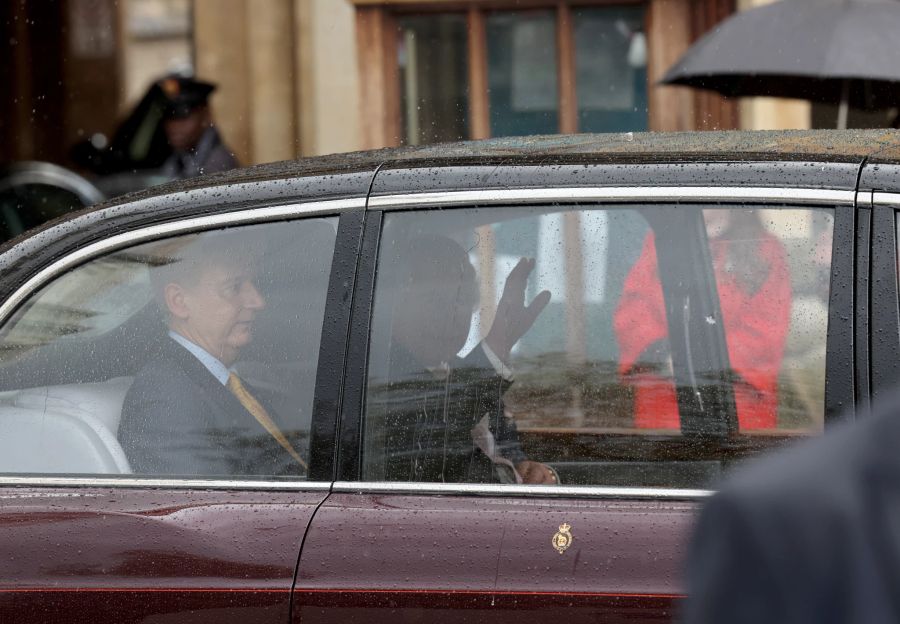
[{"x": 336, "y": 547}]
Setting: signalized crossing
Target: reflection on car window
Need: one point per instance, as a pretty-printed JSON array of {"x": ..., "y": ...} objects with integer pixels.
[
  {"x": 754, "y": 290},
  {"x": 591, "y": 390},
  {"x": 191, "y": 356},
  {"x": 95, "y": 300},
  {"x": 25, "y": 206}
]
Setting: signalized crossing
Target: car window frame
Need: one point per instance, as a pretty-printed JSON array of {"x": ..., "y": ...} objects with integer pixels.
[
  {"x": 884, "y": 294},
  {"x": 839, "y": 341},
  {"x": 697, "y": 341},
  {"x": 848, "y": 372},
  {"x": 347, "y": 210}
]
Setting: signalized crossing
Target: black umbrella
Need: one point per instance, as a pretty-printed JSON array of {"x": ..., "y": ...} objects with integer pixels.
[{"x": 836, "y": 51}]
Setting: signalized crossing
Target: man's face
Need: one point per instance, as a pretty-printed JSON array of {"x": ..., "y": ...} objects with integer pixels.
[
  {"x": 183, "y": 133},
  {"x": 434, "y": 315},
  {"x": 216, "y": 310}
]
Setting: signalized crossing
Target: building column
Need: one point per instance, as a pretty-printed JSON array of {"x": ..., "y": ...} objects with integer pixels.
[
  {"x": 669, "y": 37},
  {"x": 273, "y": 80},
  {"x": 247, "y": 48},
  {"x": 328, "y": 106},
  {"x": 379, "y": 105}
]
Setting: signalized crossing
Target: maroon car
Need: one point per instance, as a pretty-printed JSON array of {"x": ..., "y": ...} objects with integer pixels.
[{"x": 486, "y": 381}]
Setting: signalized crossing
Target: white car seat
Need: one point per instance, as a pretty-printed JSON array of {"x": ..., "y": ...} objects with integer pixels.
[{"x": 68, "y": 429}]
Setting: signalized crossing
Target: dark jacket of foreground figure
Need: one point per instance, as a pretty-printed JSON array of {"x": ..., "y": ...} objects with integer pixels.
[
  {"x": 812, "y": 535},
  {"x": 179, "y": 420}
]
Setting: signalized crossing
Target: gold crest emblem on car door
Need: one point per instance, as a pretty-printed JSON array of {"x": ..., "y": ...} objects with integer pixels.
[{"x": 562, "y": 539}]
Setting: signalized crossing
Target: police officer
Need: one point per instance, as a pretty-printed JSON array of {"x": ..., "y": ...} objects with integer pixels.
[{"x": 197, "y": 147}]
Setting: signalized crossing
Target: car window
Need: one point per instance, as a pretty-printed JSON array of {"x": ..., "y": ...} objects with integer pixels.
[
  {"x": 190, "y": 356},
  {"x": 475, "y": 375}
]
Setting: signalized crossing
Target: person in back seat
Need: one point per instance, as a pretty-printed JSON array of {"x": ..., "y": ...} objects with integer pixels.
[
  {"x": 187, "y": 412},
  {"x": 438, "y": 416}
]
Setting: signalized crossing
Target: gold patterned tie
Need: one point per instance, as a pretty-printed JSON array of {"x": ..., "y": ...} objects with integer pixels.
[{"x": 259, "y": 413}]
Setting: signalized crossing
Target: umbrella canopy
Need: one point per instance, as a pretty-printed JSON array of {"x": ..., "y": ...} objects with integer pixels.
[{"x": 836, "y": 51}]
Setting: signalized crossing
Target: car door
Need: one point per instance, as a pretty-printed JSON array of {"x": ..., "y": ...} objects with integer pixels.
[
  {"x": 879, "y": 218},
  {"x": 879, "y": 203},
  {"x": 636, "y": 441},
  {"x": 90, "y": 531}
]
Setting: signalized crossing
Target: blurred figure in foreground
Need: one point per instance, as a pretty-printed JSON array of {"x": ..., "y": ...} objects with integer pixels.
[
  {"x": 811, "y": 535},
  {"x": 196, "y": 145}
]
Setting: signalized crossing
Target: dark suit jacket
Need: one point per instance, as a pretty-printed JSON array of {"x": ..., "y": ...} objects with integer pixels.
[
  {"x": 419, "y": 426},
  {"x": 812, "y": 535},
  {"x": 210, "y": 155},
  {"x": 179, "y": 420}
]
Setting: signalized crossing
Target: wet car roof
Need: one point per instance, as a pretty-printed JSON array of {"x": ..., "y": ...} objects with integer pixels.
[
  {"x": 787, "y": 145},
  {"x": 350, "y": 174}
]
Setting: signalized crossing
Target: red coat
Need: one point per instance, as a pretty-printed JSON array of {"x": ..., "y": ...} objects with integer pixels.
[{"x": 756, "y": 327}]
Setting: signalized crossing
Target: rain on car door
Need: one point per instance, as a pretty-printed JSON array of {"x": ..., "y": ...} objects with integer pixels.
[{"x": 389, "y": 550}]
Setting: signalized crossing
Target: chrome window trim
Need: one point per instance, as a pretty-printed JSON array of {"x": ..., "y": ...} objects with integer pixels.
[
  {"x": 163, "y": 483},
  {"x": 629, "y": 194},
  {"x": 537, "y": 491},
  {"x": 358, "y": 487},
  {"x": 184, "y": 226},
  {"x": 886, "y": 199}
]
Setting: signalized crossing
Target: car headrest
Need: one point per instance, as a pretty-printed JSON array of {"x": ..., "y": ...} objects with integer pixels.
[
  {"x": 102, "y": 401},
  {"x": 48, "y": 442}
]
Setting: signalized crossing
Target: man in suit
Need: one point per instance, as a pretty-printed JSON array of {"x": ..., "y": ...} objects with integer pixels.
[
  {"x": 810, "y": 535},
  {"x": 187, "y": 412},
  {"x": 432, "y": 415}
]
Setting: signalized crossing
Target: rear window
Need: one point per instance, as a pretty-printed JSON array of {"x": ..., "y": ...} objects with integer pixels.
[{"x": 627, "y": 346}]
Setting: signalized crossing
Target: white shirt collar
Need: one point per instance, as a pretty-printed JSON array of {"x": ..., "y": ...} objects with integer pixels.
[
  {"x": 443, "y": 369},
  {"x": 212, "y": 363}
]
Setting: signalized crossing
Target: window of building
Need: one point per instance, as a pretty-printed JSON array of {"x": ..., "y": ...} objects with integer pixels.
[{"x": 437, "y": 71}]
